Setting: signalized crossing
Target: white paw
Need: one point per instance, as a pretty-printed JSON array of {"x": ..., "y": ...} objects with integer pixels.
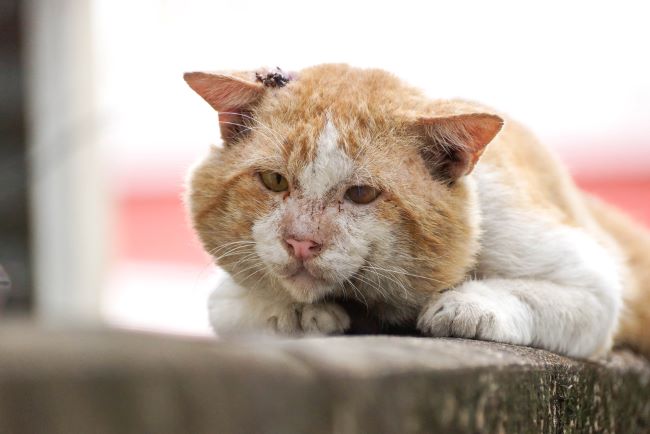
[
  {"x": 324, "y": 318},
  {"x": 476, "y": 311},
  {"x": 234, "y": 311},
  {"x": 286, "y": 321}
]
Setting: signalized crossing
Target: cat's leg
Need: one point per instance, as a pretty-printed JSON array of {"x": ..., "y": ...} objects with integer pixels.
[
  {"x": 569, "y": 319},
  {"x": 542, "y": 283},
  {"x": 234, "y": 310}
]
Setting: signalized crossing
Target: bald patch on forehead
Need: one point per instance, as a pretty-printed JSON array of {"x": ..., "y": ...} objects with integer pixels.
[{"x": 330, "y": 167}]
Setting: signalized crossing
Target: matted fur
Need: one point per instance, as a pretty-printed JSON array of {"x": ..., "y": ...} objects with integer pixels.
[{"x": 509, "y": 251}]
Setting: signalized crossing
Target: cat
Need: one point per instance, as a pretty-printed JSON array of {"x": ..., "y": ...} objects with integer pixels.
[{"x": 338, "y": 186}]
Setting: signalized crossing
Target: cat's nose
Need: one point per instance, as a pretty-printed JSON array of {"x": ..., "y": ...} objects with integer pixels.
[{"x": 303, "y": 249}]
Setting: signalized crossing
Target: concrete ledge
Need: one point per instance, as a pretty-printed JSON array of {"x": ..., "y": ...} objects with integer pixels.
[{"x": 116, "y": 382}]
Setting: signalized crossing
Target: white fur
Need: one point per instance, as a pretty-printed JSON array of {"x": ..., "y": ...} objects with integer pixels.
[
  {"x": 344, "y": 254},
  {"x": 540, "y": 283},
  {"x": 351, "y": 229},
  {"x": 323, "y": 318},
  {"x": 330, "y": 167},
  {"x": 234, "y": 310},
  {"x": 267, "y": 238},
  {"x": 477, "y": 310}
]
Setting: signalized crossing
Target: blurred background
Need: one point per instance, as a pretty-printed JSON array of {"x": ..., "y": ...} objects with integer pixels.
[{"x": 98, "y": 129}]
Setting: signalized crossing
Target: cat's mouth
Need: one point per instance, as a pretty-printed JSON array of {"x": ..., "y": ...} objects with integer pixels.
[
  {"x": 304, "y": 275},
  {"x": 306, "y": 285}
]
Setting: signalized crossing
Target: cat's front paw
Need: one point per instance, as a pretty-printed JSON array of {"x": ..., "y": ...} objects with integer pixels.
[
  {"x": 285, "y": 321},
  {"x": 234, "y": 311},
  {"x": 324, "y": 319},
  {"x": 476, "y": 312},
  {"x": 310, "y": 319}
]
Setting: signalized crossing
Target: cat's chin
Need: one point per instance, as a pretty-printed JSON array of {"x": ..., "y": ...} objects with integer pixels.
[{"x": 305, "y": 287}]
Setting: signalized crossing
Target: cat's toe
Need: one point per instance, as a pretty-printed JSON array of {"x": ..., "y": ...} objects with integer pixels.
[
  {"x": 286, "y": 322},
  {"x": 450, "y": 319},
  {"x": 324, "y": 318},
  {"x": 468, "y": 315}
]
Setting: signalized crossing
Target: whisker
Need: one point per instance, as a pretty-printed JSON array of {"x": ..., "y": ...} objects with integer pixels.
[
  {"x": 245, "y": 258},
  {"x": 357, "y": 291},
  {"x": 243, "y": 270},
  {"x": 405, "y": 273},
  {"x": 222, "y": 246},
  {"x": 390, "y": 277},
  {"x": 235, "y": 250},
  {"x": 255, "y": 271},
  {"x": 374, "y": 286},
  {"x": 380, "y": 280}
]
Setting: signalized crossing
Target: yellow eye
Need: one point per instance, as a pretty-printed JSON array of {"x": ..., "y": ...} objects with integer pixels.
[
  {"x": 362, "y": 194},
  {"x": 274, "y": 181}
]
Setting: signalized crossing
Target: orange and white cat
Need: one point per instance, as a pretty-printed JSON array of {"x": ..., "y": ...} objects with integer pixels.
[{"x": 338, "y": 184}]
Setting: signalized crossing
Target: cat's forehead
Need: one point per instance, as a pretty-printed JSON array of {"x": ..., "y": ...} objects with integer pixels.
[
  {"x": 328, "y": 166},
  {"x": 334, "y": 124}
]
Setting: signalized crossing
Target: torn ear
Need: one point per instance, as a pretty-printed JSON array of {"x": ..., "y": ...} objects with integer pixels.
[
  {"x": 232, "y": 94},
  {"x": 454, "y": 144}
]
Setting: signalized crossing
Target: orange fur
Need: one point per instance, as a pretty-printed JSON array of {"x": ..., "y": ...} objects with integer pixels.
[
  {"x": 225, "y": 198},
  {"x": 635, "y": 242},
  {"x": 383, "y": 127}
]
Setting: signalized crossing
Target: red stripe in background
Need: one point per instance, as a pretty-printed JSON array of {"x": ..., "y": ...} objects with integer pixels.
[
  {"x": 630, "y": 195},
  {"x": 155, "y": 228}
]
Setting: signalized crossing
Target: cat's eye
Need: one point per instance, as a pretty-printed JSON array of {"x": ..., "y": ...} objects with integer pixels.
[
  {"x": 362, "y": 194},
  {"x": 274, "y": 181}
]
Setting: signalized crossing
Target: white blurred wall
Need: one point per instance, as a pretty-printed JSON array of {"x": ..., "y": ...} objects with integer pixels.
[
  {"x": 576, "y": 72},
  {"x": 106, "y": 89}
]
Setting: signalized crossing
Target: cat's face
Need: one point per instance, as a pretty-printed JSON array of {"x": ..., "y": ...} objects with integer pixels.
[{"x": 338, "y": 182}]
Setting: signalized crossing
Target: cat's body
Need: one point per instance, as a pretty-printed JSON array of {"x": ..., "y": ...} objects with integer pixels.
[{"x": 346, "y": 184}]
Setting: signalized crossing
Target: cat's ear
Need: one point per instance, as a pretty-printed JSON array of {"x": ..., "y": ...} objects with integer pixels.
[
  {"x": 232, "y": 94},
  {"x": 453, "y": 144}
]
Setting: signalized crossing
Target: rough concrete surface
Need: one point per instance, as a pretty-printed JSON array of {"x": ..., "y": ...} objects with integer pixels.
[{"x": 102, "y": 381}]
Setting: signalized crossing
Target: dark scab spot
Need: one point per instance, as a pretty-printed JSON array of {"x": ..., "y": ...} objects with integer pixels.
[{"x": 275, "y": 78}]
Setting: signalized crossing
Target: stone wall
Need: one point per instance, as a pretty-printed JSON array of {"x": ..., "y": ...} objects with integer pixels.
[{"x": 117, "y": 382}]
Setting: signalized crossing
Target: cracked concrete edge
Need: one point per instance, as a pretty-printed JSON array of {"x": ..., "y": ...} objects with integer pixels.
[{"x": 107, "y": 381}]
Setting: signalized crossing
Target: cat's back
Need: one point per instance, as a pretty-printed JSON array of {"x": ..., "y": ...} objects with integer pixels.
[
  {"x": 521, "y": 184},
  {"x": 532, "y": 177}
]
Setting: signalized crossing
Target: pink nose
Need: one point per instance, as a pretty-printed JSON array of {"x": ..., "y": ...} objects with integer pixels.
[{"x": 303, "y": 249}]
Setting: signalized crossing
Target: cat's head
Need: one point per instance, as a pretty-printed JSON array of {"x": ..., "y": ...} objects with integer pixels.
[{"x": 336, "y": 182}]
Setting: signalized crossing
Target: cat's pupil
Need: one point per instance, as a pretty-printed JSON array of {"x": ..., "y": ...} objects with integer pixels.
[{"x": 278, "y": 178}]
